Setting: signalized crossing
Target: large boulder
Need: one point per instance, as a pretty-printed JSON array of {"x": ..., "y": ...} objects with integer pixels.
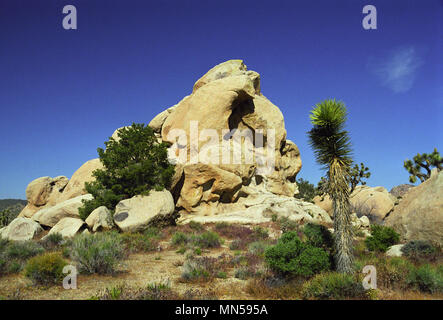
[
  {"x": 52, "y": 215},
  {"x": 262, "y": 208},
  {"x": 400, "y": 190},
  {"x": 42, "y": 193},
  {"x": 21, "y": 229},
  {"x": 373, "y": 202},
  {"x": 226, "y": 118},
  {"x": 157, "y": 122},
  {"x": 100, "y": 219},
  {"x": 207, "y": 183},
  {"x": 38, "y": 191},
  {"x": 419, "y": 216},
  {"x": 67, "y": 227},
  {"x": 76, "y": 185},
  {"x": 395, "y": 250},
  {"x": 325, "y": 202},
  {"x": 140, "y": 212}
]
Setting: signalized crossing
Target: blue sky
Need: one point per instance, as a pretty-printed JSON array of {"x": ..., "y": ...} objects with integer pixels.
[{"x": 64, "y": 92}]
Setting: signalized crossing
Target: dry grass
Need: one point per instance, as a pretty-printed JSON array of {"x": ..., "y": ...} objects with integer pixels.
[{"x": 143, "y": 268}]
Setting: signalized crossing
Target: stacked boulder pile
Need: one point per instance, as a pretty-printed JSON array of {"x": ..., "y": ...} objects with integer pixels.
[{"x": 226, "y": 99}]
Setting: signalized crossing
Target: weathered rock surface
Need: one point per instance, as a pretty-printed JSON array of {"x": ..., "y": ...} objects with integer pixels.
[
  {"x": 261, "y": 208},
  {"x": 139, "y": 212},
  {"x": 419, "y": 216},
  {"x": 100, "y": 219},
  {"x": 395, "y": 250},
  {"x": 157, "y": 122},
  {"x": 67, "y": 227},
  {"x": 325, "y": 203},
  {"x": 21, "y": 229},
  {"x": 226, "y": 103},
  {"x": 69, "y": 208},
  {"x": 400, "y": 190},
  {"x": 76, "y": 185},
  {"x": 373, "y": 202},
  {"x": 42, "y": 193}
]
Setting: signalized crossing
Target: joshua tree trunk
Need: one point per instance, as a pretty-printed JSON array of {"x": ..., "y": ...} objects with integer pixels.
[{"x": 339, "y": 193}]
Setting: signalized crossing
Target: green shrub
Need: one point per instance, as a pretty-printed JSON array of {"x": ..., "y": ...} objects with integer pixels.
[
  {"x": 287, "y": 225},
  {"x": 426, "y": 278},
  {"x": 3, "y": 265},
  {"x": 153, "y": 291},
  {"x": 52, "y": 241},
  {"x": 203, "y": 268},
  {"x": 204, "y": 240},
  {"x": 381, "y": 238},
  {"x": 15, "y": 266},
  {"x": 193, "y": 270},
  {"x": 7, "y": 215},
  {"x": 207, "y": 239},
  {"x": 318, "y": 236},
  {"x": 243, "y": 273},
  {"x": 98, "y": 253},
  {"x": 133, "y": 165},
  {"x": 258, "y": 248},
  {"x": 197, "y": 226},
  {"x": 22, "y": 250},
  {"x": 138, "y": 242},
  {"x": 307, "y": 190},
  {"x": 179, "y": 238},
  {"x": 45, "y": 269},
  {"x": 333, "y": 285},
  {"x": 222, "y": 225},
  {"x": 420, "y": 250},
  {"x": 260, "y": 233},
  {"x": 290, "y": 256}
]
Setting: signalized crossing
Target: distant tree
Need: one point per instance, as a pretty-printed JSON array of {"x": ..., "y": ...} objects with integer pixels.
[
  {"x": 133, "y": 164},
  {"x": 423, "y": 161},
  {"x": 307, "y": 190},
  {"x": 357, "y": 174},
  {"x": 322, "y": 187},
  {"x": 332, "y": 149}
]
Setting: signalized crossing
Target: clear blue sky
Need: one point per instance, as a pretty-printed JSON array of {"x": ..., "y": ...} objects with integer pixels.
[{"x": 63, "y": 93}]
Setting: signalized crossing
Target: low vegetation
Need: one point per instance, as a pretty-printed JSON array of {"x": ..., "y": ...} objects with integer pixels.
[
  {"x": 13, "y": 255},
  {"x": 253, "y": 264},
  {"x": 333, "y": 285},
  {"x": 420, "y": 250},
  {"x": 381, "y": 238},
  {"x": 45, "y": 269},
  {"x": 292, "y": 257},
  {"x": 98, "y": 253}
]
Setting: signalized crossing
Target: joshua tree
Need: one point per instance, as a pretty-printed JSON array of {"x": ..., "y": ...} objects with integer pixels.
[
  {"x": 423, "y": 161},
  {"x": 332, "y": 149},
  {"x": 357, "y": 175}
]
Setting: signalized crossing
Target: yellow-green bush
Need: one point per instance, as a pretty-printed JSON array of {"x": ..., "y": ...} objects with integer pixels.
[
  {"x": 333, "y": 285},
  {"x": 45, "y": 269}
]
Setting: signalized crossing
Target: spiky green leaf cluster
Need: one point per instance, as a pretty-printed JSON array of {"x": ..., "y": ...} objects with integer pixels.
[
  {"x": 423, "y": 161},
  {"x": 328, "y": 138}
]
